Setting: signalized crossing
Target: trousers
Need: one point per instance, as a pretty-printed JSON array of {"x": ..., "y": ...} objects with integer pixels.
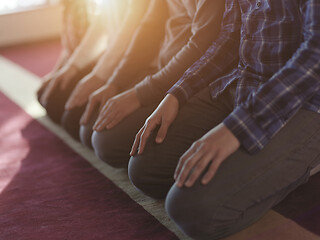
[
  {"x": 245, "y": 186},
  {"x": 55, "y": 106}
]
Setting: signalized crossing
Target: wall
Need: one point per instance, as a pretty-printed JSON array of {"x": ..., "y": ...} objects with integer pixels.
[{"x": 28, "y": 26}]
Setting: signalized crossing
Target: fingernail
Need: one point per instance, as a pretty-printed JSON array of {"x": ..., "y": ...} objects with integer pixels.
[
  {"x": 188, "y": 184},
  {"x": 159, "y": 140},
  {"x": 204, "y": 181}
]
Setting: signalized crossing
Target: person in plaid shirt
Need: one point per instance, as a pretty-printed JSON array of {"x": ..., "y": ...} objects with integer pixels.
[{"x": 241, "y": 129}]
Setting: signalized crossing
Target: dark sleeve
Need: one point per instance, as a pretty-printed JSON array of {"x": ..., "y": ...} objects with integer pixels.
[
  {"x": 204, "y": 30},
  {"x": 144, "y": 47},
  {"x": 221, "y": 56}
]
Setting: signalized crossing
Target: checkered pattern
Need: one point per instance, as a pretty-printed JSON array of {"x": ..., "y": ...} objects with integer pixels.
[{"x": 271, "y": 50}]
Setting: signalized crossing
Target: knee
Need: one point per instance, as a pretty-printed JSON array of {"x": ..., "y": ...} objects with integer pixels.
[
  {"x": 107, "y": 147},
  {"x": 199, "y": 217},
  {"x": 146, "y": 177},
  {"x": 54, "y": 110},
  {"x": 85, "y": 135},
  {"x": 70, "y": 122}
]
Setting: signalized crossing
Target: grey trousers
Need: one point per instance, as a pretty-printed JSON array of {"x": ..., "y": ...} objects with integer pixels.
[{"x": 245, "y": 186}]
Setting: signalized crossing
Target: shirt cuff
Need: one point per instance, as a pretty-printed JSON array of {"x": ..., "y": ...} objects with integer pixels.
[
  {"x": 251, "y": 136},
  {"x": 179, "y": 93}
]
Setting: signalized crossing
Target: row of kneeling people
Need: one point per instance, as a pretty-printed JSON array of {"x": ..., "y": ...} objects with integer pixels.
[{"x": 213, "y": 99}]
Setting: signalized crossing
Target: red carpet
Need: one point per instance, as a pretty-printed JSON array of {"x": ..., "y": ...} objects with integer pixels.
[
  {"x": 50, "y": 192},
  {"x": 38, "y": 58},
  {"x": 55, "y": 194}
]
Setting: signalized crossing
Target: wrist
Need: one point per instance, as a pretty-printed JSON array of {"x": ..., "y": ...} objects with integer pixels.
[
  {"x": 172, "y": 99},
  {"x": 134, "y": 97}
]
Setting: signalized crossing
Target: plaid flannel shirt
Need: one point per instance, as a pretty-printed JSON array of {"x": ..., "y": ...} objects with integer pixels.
[{"x": 273, "y": 50}]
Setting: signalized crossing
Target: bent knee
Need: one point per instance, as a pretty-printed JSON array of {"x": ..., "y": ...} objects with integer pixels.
[
  {"x": 199, "y": 218},
  {"x": 108, "y": 148},
  {"x": 147, "y": 177},
  {"x": 70, "y": 122},
  {"x": 85, "y": 135}
]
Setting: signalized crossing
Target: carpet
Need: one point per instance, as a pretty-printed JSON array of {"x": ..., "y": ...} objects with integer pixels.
[
  {"x": 39, "y": 58},
  {"x": 53, "y": 193}
]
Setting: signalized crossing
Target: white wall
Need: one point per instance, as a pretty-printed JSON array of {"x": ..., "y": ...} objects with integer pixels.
[{"x": 32, "y": 25}]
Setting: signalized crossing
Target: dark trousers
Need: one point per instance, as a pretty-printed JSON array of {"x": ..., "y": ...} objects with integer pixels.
[
  {"x": 245, "y": 186},
  {"x": 86, "y": 130},
  {"x": 55, "y": 106}
]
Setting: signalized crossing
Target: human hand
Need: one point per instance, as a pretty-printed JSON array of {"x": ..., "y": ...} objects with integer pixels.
[
  {"x": 82, "y": 91},
  {"x": 98, "y": 98},
  {"x": 61, "y": 79},
  {"x": 212, "y": 149},
  {"x": 164, "y": 115},
  {"x": 45, "y": 82},
  {"x": 116, "y": 109}
]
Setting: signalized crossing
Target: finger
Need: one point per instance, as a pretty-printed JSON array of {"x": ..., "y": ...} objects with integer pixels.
[
  {"x": 198, "y": 169},
  {"x": 187, "y": 166},
  {"x": 107, "y": 107},
  {"x": 212, "y": 169},
  {"x": 114, "y": 122},
  {"x": 136, "y": 142},
  {"x": 105, "y": 121},
  {"x": 145, "y": 135},
  {"x": 103, "y": 118},
  {"x": 88, "y": 112},
  {"x": 73, "y": 100},
  {"x": 100, "y": 123},
  {"x": 162, "y": 131},
  {"x": 48, "y": 91},
  {"x": 184, "y": 157}
]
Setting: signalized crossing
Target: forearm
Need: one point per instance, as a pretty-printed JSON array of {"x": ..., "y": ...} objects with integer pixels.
[
  {"x": 119, "y": 45},
  {"x": 144, "y": 47},
  {"x": 217, "y": 60},
  {"x": 276, "y": 101},
  {"x": 92, "y": 45},
  {"x": 204, "y": 30}
]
